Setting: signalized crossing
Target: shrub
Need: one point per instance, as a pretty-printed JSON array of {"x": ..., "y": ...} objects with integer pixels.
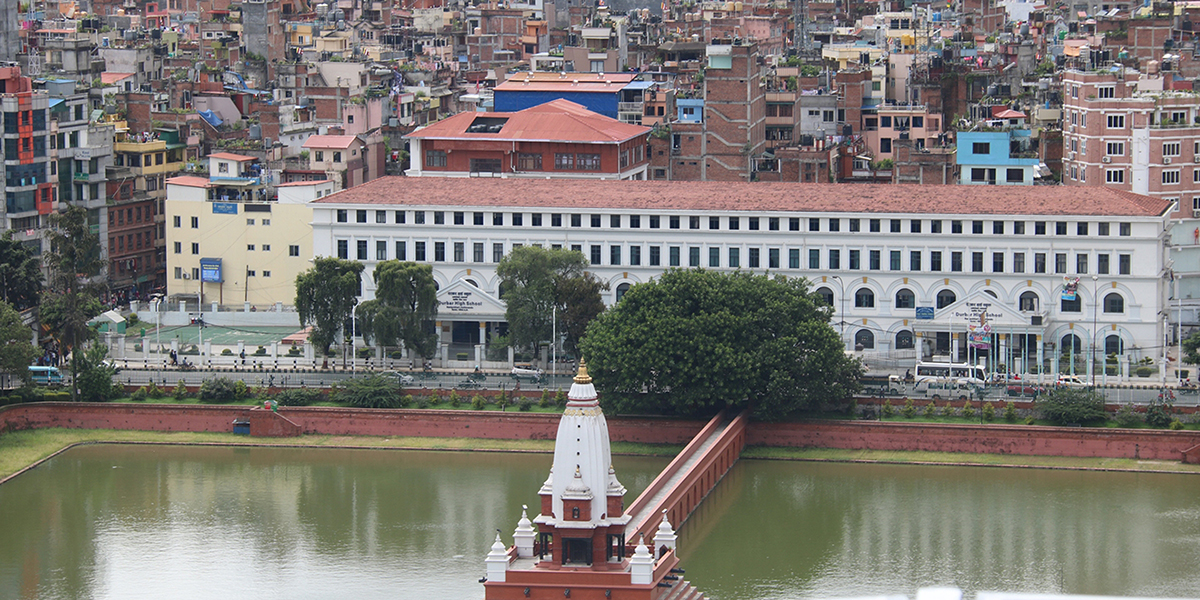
[
  {"x": 374, "y": 391},
  {"x": 525, "y": 404},
  {"x": 989, "y": 411},
  {"x": 406, "y": 401},
  {"x": 154, "y": 391},
  {"x": 1176, "y": 425},
  {"x": 139, "y": 394},
  {"x": 1127, "y": 417},
  {"x": 948, "y": 410},
  {"x": 928, "y": 411},
  {"x": 261, "y": 351},
  {"x": 909, "y": 411},
  {"x": 477, "y": 402},
  {"x": 432, "y": 400},
  {"x": 299, "y": 397},
  {"x": 968, "y": 411},
  {"x": 227, "y": 352},
  {"x": 365, "y": 353},
  {"x": 240, "y": 390},
  {"x": 180, "y": 392},
  {"x": 396, "y": 354},
  {"x": 1158, "y": 414},
  {"x": 547, "y": 398},
  {"x": 887, "y": 409},
  {"x": 454, "y": 399},
  {"x": 1072, "y": 405},
  {"x": 560, "y": 399},
  {"x": 423, "y": 402},
  {"x": 852, "y": 408},
  {"x": 218, "y": 389},
  {"x": 1144, "y": 371},
  {"x": 294, "y": 351},
  {"x": 1010, "y": 412}
]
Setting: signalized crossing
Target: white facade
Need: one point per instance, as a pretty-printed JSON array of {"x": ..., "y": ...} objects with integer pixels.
[{"x": 876, "y": 268}]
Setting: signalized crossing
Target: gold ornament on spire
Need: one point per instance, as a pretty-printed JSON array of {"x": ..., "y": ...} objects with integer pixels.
[{"x": 582, "y": 377}]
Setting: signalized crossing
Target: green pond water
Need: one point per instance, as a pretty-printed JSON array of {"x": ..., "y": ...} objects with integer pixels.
[{"x": 109, "y": 522}]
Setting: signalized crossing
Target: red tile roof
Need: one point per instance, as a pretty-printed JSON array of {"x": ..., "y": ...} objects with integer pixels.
[
  {"x": 329, "y": 141},
  {"x": 1039, "y": 200},
  {"x": 189, "y": 181},
  {"x": 555, "y": 121},
  {"x": 231, "y": 156}
]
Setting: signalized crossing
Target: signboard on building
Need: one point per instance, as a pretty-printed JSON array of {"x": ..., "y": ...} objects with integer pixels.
[
  {"x": 460, "y": 301},
  {"x": 925, "y": 313},
  {"x": 224, "y": 208},
  {"x": 210, "y": 270}
]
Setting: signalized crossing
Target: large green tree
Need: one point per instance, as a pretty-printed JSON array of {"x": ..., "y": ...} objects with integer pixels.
[
  {"x": 325, "y": 297},
  {"x": 535, "y": 283},
  {"x": 404, "y": 307},
  {"x": 16, "y": 350},
  {"x": 1072, "y": 405},
  {"x": 20, "y": 273},
  {"x": 1191, "y": 349},
  {"x": 71, "y": 298},
  {"x": 695, "y": 341}
]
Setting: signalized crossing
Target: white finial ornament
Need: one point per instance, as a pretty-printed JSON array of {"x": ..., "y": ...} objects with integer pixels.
[
  {"x": 641, "y": 564},
  {"x": 497, "y": 561},
  {"x": 665, "y": 536},
  {"x": 523, "y": 536}
]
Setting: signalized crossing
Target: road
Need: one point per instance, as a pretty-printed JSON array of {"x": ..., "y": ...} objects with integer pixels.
[{"x": 289, "y": 378}]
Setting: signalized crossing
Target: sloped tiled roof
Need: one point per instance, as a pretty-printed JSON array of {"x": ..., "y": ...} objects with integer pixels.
[
  {"x": 555, "y": 121},
  {"x": 231, "y": 156},
  {"x": 329, "y": 141},
  {"x": 941, "y": 201}
]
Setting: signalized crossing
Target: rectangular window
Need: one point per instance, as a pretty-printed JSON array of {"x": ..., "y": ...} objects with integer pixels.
[
  {"x": 439, "y": 251},
  {"x": 176, "y": 220},
  {"x": 401, "y": 251},
  {"x": 343, "y": 249},
  {"x": 498, "y": 219},
  {"x": 693, "y": 256},
  {"x": 714, "y": 257},
  {"x": 956, "y": 261},
  {"x": 419, "y": 251},
  {"x": 734, "y": 223},
  {"x": 1116, "y": 121},
  {"x": 1170, "y": 148},
  {"x": 773, "y": 224},
  {"x": 342, "y": 215},
  {"x": 556, "y": 220},
  {"x": 195, "y": 248},
  {"x": 1060, "y": 263},
  {"x": 773, "y": 258},
  {"x": 529, "y": 162},
  {"x": 294, "y": 250},
  {"x": 674, "y": 221},
  {"x": 875, "y": 257},
  {"x": 1102, "y": 264},
  {"x": 674, "y": 251},
  {"x": 977, "y": 262},
  {"x": 1014, "y": 175},
  {"x": 956, "y": 227},
  {"x": 753, "y": 258},
  {"x": 477, "y": 252},
  {"x": 1123, "y": 264},
  {"x": 998, "y": 227},
  {"x": 1039, "y": 228},
  {"x": 734, "y": 258},
  {"x": 635, "y": 255},
  {"x": 874, "y": 225},
  {"x": 1081, "y": 264},
  {"x": 655, "y": 256},
  {"x": 1114, "y": 148},
  {"x": 814, "y": 259},
  {"x": 497, "y": 252},
  {"x": 1126, "y": 229},
  {"x": 935, "y": 226},
  {"x": 654, "y": 222},
  {"x": 981, "y": 148},
  {"x": 477, "y": 218},
  {"x": 178, "y": 248},
  {"x": 1060, "y": 228},
  {"x": 460, "y": 252},
  {"x": 914, "y": 226},
  {"x": 793, "y": 224},
  {"x": 914, "y": 260},
  {"x": 1019, "y": 227},
  {"x": 834, "y": 225},
  {"x": 894, "y": 260},
  {"x": 535, "y": 219},
  {"x": 1170, "y": 177},
  {"x": 814, "y": 224},
  {"x": 595, "y": 258},
  {"x": 793, "y": 258},
  {"x": 1039, "y": 262},
  {"x": 564, "y": 162},
  {"x": 435, "y": 158},
  {"x": 195, "y": 222},
  {"x": 614, "y": 255},
  {"x": 576, "y": 220},
  {"x": 855, "y": 260},
  {"x": 1018, "y": 262},
  {"x": 895, "y": 224},
  {"x": 380, "y": 250},
  {"x": 587, "y": 162},
  {"x": 1102, "y": 228},
  {"x": 935, "y": 261},
  {"x": 419, "y": 217},
  {"x": 360, "y": 216},
  {"x": 752, "y": 223},
  {"x": 997, "y": 262},
  {"x": 439, "y": 217},
  {"x": 977, "y": 227},
  {"x": 614, "y": 221},
  {"x": 380, "y": 216},
  {"x": 361, "y": 249},
  {"x": 855, "y": 225},
  {"x": 693, "y": 222},
  {"x": 517, "y": 219},
  {"x": 399, "y": 216},
  {"x": 714, "y": 222},
  {"x": 460, "y": 218}
]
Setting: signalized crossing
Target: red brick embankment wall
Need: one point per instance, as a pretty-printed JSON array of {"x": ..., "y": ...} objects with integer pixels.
[{"x": 982, "y": 439}]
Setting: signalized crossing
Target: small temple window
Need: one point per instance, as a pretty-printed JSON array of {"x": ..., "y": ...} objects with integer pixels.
[{"x": 575, "y": 513}]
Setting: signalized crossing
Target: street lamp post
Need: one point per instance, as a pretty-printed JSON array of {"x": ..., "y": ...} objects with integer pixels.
[
  {"x": 158, "y": 333},
  {"x": 842, "y": 312},
  {"x": 1095, "y": 315}
]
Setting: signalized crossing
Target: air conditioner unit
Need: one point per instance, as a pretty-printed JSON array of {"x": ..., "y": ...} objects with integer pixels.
[
  {"x": 1071, "y": 155},
  {"x": 1196, "y": 213},
  {"x": 1166, "y": 160},
  {"x": 187, "y": 275},
  {"x": 1106, "y": 159}
]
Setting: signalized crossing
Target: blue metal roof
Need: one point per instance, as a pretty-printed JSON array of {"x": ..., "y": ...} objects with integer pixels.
[{"x": 639, "y": 85}]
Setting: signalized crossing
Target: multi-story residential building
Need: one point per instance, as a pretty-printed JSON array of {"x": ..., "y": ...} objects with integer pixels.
[
  {"x": 559, "y": 139},
  {"x": 1129, "y": 131},
  {"x": 906, "y": 274},
  {"x": 598, "y": 92},
  {"x": 1005, "y": 157},
  {"x": 29, "y": 190},
  {"x": 888, "y": 123},
  {"x": 235, "y": 250},
  {"x": 346, "y": 160}
]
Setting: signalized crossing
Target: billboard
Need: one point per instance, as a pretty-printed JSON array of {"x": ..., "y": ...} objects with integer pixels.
[{"x": 210, "y": 270}]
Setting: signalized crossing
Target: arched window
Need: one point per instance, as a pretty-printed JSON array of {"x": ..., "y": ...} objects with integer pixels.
[
  {"x": 905, "y": 299},
  {"x": 1114, "y": 303},
  {"x": 621, "y": 289},
  {"x": 826, "y": 295},
  {"x": 1029, "y": 302},
  {"x": 1071, "y": 344},
  {"x": 1114, "y": 345},
  {"x": 991, "y": 293},
  {"x": 946, "y": 298},
  {"x": 1071, "y": 305},
  {"x": 864, "y": 339},
  {"x": 904, "y": 340},
  {"x": 864, "y": 298}
]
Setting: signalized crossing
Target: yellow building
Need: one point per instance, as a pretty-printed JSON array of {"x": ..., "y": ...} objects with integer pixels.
[{"x": 236, "y": 249}]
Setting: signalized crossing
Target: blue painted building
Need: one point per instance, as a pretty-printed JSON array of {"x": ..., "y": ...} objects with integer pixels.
[
  {"x": 1005, "y": 157},
  {"x": 598, "y": 92}
]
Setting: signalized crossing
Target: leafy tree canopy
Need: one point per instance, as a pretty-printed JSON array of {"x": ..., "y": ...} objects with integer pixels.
[
  {"x": 94, "y": 379},
  {"x": 1072, "y": 405},
  {"x": 16, "y": 350},
  {"x": 71, "y": 297},
  {"x": 534, "y": 281},
  {"x": 404, "y": 307},
  {"x": 20, "y": 273},
  {"x": 1191, "y": 349},
  {"x": 696, "y": 341},
  {"x": 325, "y": 296}
]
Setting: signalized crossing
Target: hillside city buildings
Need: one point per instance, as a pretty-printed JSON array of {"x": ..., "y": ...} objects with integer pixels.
[{"x": 131, "y": 109}]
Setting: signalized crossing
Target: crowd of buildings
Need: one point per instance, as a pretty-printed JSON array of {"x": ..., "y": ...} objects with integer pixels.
[{"x": 219, "y": 146}]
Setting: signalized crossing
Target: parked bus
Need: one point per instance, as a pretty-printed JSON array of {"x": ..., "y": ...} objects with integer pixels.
[
  {"x": 45, "y": 376},
  {"x": 974, "y": 374}
]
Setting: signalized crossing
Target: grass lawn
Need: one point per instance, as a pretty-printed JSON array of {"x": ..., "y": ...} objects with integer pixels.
[
  {"x": 993, "y": 460},
  {"x": 19, "y": 449}
]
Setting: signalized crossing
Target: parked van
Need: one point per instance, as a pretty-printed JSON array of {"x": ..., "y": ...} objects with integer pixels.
[
  {"x": 947, "y": 389},
  {"x": 45, "y": 376}
]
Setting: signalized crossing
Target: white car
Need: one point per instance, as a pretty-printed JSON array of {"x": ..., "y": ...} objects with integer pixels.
[
  {"x": 401, "y": 378},
  {"x": 1071, "y": 381}
]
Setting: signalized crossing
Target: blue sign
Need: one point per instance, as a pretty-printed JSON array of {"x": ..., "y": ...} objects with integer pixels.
[
  {"x": 224, "y": 208},
  {"x": 925, "y": 313},
  {"x": 210, "y": 270}
]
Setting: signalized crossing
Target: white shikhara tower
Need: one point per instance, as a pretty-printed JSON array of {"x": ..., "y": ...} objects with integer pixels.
[{"x": 582, "y": 514}]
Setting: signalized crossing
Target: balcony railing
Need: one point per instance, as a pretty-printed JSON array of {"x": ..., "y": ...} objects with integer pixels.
[{"x": 630, "y": 107}]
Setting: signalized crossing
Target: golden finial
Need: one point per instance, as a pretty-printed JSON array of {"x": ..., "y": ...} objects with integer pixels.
[{"x": 582, "y": 377}]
